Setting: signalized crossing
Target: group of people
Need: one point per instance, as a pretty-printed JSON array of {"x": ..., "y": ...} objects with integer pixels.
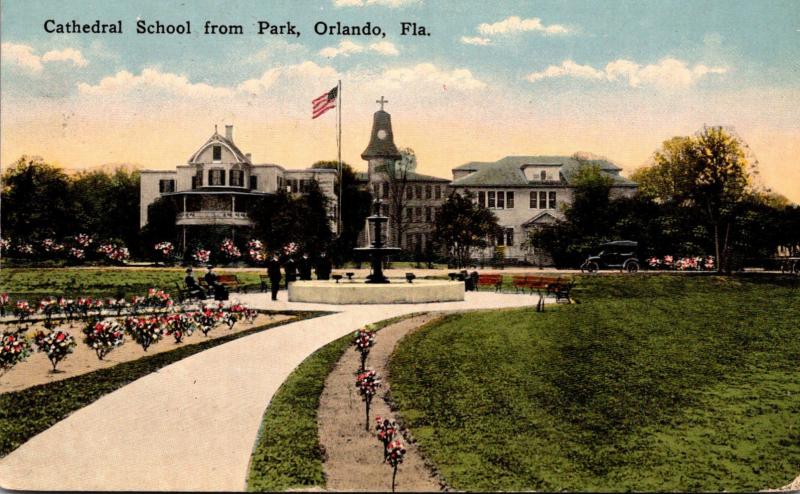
[
  {"x": 215, "y": 288},
  {"x": 294, "y": 270}
]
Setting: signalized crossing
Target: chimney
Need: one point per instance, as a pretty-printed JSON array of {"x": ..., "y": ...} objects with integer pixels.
[
  {"x": 229, "y": 132},
  {"x": 249, "y": 156}
]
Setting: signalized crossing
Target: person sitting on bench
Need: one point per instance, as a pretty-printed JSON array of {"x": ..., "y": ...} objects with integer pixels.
[
  {"x": 192, "y": 287},
  {"x": 220, "y": 292}
]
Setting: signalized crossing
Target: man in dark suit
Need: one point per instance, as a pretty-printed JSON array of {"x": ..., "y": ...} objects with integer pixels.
[
  {"x": 323, "y": 267},
  {"x": 274, "y": 273},
  {"x": 304, "y": 267},
  {"x": 290, "y": 268},
  {"x": 192, "y": 287},
  {"x": 220, "y": 292}
]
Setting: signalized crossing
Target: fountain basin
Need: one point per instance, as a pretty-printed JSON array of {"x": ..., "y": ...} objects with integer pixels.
[{"x": 360, "y": 292}]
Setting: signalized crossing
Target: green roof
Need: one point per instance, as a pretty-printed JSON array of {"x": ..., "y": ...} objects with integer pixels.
[{"x": 508, "y": 171}]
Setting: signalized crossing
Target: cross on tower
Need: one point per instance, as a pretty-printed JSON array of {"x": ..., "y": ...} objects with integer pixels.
[{"x": 382, "y": 102}]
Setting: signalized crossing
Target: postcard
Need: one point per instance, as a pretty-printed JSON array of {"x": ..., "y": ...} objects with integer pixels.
[{"x": 406, "y": 245}]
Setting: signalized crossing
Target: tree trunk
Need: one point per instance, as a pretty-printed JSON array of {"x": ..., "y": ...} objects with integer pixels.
[{"x": 716, "y": 247}]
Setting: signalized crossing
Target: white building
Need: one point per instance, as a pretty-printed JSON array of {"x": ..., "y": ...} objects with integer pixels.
[
  {"x": 526, "y": 192},
  {"x": 218, "y": 183}
]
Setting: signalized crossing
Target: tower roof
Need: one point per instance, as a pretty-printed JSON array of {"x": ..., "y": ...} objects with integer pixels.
[{"x": 381, "y": 143}]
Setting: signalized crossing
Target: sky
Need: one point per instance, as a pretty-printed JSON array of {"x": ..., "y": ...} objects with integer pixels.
[{"x": 613, "y": 78}]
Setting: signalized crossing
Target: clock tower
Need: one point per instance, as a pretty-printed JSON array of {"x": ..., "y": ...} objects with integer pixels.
[{"x": 381, "y": 150}]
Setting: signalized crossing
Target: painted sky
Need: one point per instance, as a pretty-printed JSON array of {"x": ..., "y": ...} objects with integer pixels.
[{"x": 494, "y": 78}]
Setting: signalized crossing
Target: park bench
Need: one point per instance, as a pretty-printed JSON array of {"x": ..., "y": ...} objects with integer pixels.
[
  {"x": 544, "y": 285},
  {"x": 229, "y": 281},
  {"x": 493, "y": 280},
  {"x": 182, "y": 292},
  {"x": 265, "y": 282}
]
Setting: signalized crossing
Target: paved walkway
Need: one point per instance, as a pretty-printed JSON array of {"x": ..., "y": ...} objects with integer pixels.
[{"x": 191, "y": 426}]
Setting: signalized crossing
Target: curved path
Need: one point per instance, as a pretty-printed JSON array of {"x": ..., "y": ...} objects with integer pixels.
[{"x": 191, "y": 426}]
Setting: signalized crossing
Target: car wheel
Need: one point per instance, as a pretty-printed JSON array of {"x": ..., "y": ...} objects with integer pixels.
[
  {"x": 632, "y": 267},
  {"x": 592, "y": 267}
]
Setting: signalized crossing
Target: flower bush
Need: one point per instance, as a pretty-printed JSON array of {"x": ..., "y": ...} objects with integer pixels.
[
  {"x": 144, "y": 330},
  {"x": 363, "y": 340},
  {"x": 290, "y": 249},
  {"x": 83, "y": 240},
  {"x": 51, "y": 247},
  {"x": 77, "y": 254},
  {"x": 164, "y": 251},
  {"x": 395, "y": 452},
  {"x": 3, "y": 304},
  {"x": 256, "y": 252},
  {"x": 56, "y": 345},
  {"x": 114, "y": 253},
  {"x": 23, "y": 310},
  {"x": 367, "y": 383},
  {"x": 229, "y": 251},
  {"x": 207, "y": 319},
  {"x": 103, "y": 336},
  {"x": 13, "y": 350},
  {"x": 5, "y": 245},
  {"x": 387, "y": 429},
  {"x": 25, "y": 249},
  {"x": 691, "y": 263},
  {"x": 179, "y": 325},
  {"x": 202, "y": 256},
  {"x": 155, "y": 298}
]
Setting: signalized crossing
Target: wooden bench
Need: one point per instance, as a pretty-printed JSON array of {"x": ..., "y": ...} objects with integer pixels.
[
  {"x": 229, "y": 281},
  {"x": 544, "y": 285},
  {"x": 265, "y": 283},
  {"x": 493, "y": 280},
  {"x": 183, "y": 292}
]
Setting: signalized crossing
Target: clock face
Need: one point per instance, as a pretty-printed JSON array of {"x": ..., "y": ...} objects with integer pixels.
[{"x": 381, "y": 134}]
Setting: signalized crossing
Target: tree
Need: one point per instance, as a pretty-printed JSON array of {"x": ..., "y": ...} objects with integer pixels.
[
  {"x": 397, "y": 174},
  {"x": 356, "y": 204},
  {"x": 315, "y": 226},
  {"x": 160, "y": 225},
  {"x": 36, "y": 200},
  {"x": 464, "y": 225},
  {"x": 668, "y": 179}
]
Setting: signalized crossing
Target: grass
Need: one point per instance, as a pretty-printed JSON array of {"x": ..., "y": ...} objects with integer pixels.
[
  {"x": 30, "y": 411},
  {"x": 36, "y": 283},
  {"x": 651, "y": 383},
  {"x": 287, "y": 453}
]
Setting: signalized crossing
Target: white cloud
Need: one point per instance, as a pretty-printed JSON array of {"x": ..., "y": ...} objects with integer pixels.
[
  {"x": 306, "y": 71},
  {"x": 347, "y": 48},
  {"x": 65, "y": 55},
  {"x": 24, "y": 56},
  {"x": 429, "y": 73},
  {"x": 124, "y": 81},
  {"x": 669, "y": 73},
  {"x": 385, "y": 3},
  {"x": 475, "y": 40},
  {"x": 515, "y": 25}
]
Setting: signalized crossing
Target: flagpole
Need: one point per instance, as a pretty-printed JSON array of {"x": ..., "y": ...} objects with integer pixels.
[{"x": 339, "y": 141}]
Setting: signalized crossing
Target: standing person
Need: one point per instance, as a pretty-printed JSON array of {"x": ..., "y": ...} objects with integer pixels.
[
  {"x": 191, "y": 285},
  {"x": 323, "y": 267},
  {"x": 290, "y": 267},
  {"x": 304, "y": 267},
  {"x": 220, "y": 292},
  {"x": 274, "y": 273}
]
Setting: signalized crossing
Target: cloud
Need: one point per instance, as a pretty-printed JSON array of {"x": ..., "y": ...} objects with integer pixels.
[
  {"x": 514, "y": 25},
  {"x": 669, "y": 73},
  {"x": 151, "y": 78},
  {"x": 475, "y": 40},
  {"x": 427, "y": 72},
  {"x": 24, "y": 56},
  {"x": 305, "y": 71},
  {"x": 347, "y": 48},
  {"x": 365, "y": 3}
]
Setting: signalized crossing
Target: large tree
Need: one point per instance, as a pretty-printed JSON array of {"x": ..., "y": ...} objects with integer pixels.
[
  {"x": 36, "y": 200},
  {"x": 398, "y": 174},
  {"x": 464, "y": 225}
]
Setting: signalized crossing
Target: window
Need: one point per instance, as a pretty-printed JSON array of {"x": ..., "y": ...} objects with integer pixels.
[
  {"x": 509, "y": 237},
  {"x": 542, "y": 199},
  {"x": 501, "y": 201},
  {"x": 428, "y": 214},
  {"x": 253, "y": 182},
  {"x": 499, "y": 240},
  {"x": 385, "y": 190},
  {"x": 417, "y": 240},
  {"x": 280, "y": 182},
  {"x": 418, "y": 214},
  {"x": 166, "y": 185},
  {"x": 409, "y": 192},
  {"x": 418, "y": 191},
  {"x": 482, "y": 198},
  {"x": 409, "y": 213},
  {"x": 491, "y": 199},
  {"x": 194, "y": 181},
  {"x": 428, "y": 192},
  {"x": 216, "y": 177},
  {"x": 237, "y": 178},
  {"x": 552, "y": 200},
  {"x": 302, "y": 186},
  {"x": 533, "y": 199},
  {"x": 217, "y": 153},
  {"x": 438, "y": 192},
  {"x": 510, "y": 199},
  {"x": 294, "y": 185},
  {"x": 543, "y": 175},
  {"x": 408, "y": 240}
]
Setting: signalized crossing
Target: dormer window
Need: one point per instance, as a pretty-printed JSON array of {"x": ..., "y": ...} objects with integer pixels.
[
  {"x": 216, "y": 177},
  {"x": 217, "y": 153},
  {"x": 543, "y": 175}
]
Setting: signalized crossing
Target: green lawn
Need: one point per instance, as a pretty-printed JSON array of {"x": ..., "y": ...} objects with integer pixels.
[
  {"x": 662, "y": 382},
  {"x": 36, "y": 283},
  {"x": 287, "y": 452},
  {"x": 25, "y": 413}
]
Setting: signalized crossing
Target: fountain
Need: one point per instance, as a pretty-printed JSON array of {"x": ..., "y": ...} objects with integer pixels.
[
  {"x": 376, "y": 250},
  {"x": 376, "y": 288}
]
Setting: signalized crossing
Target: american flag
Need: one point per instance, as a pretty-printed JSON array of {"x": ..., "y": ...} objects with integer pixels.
[{"x": 324, "y": 102}]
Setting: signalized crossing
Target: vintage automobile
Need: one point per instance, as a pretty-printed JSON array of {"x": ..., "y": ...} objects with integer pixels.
[{"x": 622, "y": 254}]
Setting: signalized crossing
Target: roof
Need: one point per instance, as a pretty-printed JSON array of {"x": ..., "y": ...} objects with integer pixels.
[
  {"x": 508, "y": 171},
  {"x": 381, "y": 142},
  {"x": 216, "y": 138},
  {"x": 543, "y": 217},
  {"x": 410, "y": 177}
]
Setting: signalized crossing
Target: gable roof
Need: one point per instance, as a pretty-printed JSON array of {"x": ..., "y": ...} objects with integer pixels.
[
  {"x": 508, "y": 171},
  {"x": 216, "y": 138},
  {"x": 543, "y": 217}
]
